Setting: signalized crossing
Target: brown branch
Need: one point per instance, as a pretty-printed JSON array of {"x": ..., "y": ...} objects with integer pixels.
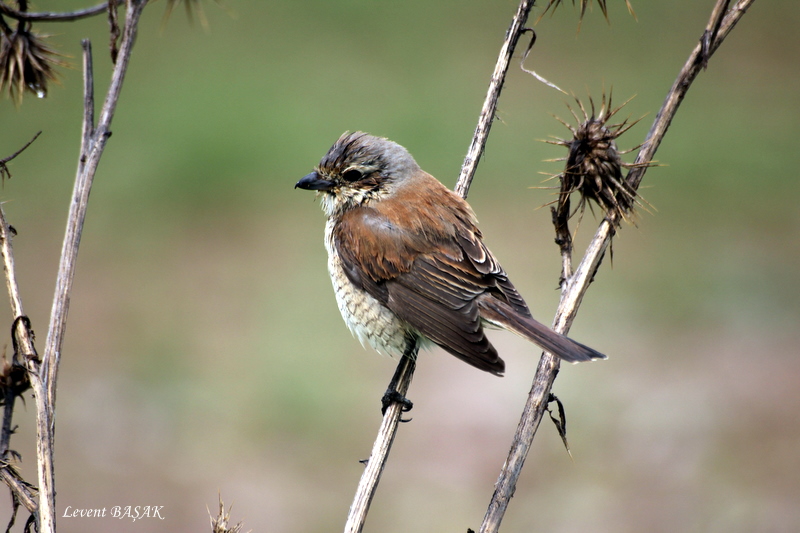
[
  {"x": 15, "y": 375},
  {"x": 560, "y": 216},
  {"x": 712, "y": 29},
  {"x": 93, "y": 144},
  {"x": 380, "y": 452},
  {"x": 489, "y": 108},
  {"x": 576, "y": 286},
  {"x": 20, "y": 490},
  {"x": 43, "y": 376},
  {"x": 25, "y": 493},
  {"x": 405, "y": 371},
  {"x": 54, "y": 16},
  {"x": 114, "y": 31},
  {"x": 15, "y": 382},
  {"x": 4, "y": 172},
  {"x": 688, "y": 73}
]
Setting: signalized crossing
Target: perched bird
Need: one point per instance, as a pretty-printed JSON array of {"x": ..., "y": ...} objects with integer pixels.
[{"x": 408, "y": 262}]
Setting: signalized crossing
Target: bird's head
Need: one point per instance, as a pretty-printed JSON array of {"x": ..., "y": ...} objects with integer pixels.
[{"x": 357, "y": 169}]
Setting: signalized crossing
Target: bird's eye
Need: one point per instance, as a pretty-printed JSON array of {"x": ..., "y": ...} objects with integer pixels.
[{"x": 352, "y": 175}]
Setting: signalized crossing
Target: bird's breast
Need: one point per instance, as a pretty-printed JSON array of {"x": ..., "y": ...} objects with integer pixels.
[{"x": 368, "y": 319}]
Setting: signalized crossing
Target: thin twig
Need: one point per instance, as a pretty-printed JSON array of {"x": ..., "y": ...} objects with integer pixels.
[
  {"x": 688, "y": 73},
  {"x": 23, "y": 352},
  {"x": 23, "y": 342},
  {"x": 560, "y": 217},
  {"x": 4, "y": 172},
  {"x": 43, "y": 377},
  {"x": 575, "y": 287},
  {"x": 490, "y": 103},
  {"x": 22, "y": 490},
  {"x": 87, "y": 129},
  {"x": 93, "y": 146},
  {"x": 712, "y": 28},
  {"x": 533, "y": 72},
  {"x": 51, "y": 16},
  {"x": 383, "y": 442},
  {"x": 114, "y": 31},
  {"x": 9, "y": 398},
  {"x": 380, "y": 453}
]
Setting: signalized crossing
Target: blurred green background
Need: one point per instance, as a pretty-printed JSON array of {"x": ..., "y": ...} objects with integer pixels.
[{"x": 205, "y": 353}]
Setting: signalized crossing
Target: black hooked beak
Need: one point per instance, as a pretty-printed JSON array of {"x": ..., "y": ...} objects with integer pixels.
[{"x": 313, "y": 182}]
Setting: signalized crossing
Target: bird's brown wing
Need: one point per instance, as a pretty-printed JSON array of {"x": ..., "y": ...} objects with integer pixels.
[
  {"x": 431, "y": 281},
  {"x": 439, "y": 300}
]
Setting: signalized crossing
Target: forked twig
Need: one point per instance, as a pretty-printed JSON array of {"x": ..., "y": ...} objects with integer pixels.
[
  {"x": 492, "y": 95},
  {"x": 576, "y": 286},
  {"x": 43, "y": 375}
]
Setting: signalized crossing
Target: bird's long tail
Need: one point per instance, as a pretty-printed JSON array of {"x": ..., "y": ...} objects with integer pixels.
[{"x": 502, "y": 315}]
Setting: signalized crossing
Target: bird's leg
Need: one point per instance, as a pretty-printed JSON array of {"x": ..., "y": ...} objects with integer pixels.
[{"x": 392, "y": 395}]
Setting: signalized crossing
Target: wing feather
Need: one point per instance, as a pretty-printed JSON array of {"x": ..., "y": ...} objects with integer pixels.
[{"x": 431, "y": 285}]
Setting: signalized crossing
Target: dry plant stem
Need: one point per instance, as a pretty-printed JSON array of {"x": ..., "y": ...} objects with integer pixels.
[
  {"x": 688, "y": 73},
  {"x": 712, "y": 28},
  {"x": 22, "y": 491},
  {"x": 23, "y": 333},
  {"x": 53, "y": 16},
  {"x": 9, "y": 398},
  {"x": 43, "y": 377},
  {"x": 92, "y": 146},
  {"x": 575, "y": 287},
  {"x": 8, "y": 474},
  {"x": 572, "y": 293},
  {"x": 493, "y": 94},
  {"x": 3, "y": 169},
  {"x": 383, "y": 442},
  {"x": 380, "y": 452},
  {"x": 560, "y": 215}
]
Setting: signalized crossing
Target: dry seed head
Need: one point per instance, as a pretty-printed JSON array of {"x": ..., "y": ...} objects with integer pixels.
[
  {"x": 219, "y": 523},
  {"x": 26, "y": 62},
  {"x": 584, "y": 4},
  {"x": 593, "y": 166},
  {"x": 191, "y": 7}
]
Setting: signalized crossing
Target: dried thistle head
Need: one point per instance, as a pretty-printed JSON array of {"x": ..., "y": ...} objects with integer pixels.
[
  {"x": 593, "y": 166},
  {"x": 584, "y": 4},
  {"x": 219, "y": 523},
  {"x": 13, "y": 379},
  {"x": 26, "y": 62},
  {"x": 191, "y": 7}
]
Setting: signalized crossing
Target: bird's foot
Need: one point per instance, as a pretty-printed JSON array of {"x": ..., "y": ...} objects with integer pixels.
[{"x": 392, "y": 396}]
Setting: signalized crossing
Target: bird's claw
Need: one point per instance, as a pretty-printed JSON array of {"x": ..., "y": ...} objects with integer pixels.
[{"x": 392, "y": 396}]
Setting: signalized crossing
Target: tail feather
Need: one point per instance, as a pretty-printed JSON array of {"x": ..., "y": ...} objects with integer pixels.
[{"x": 502, "y": 315}]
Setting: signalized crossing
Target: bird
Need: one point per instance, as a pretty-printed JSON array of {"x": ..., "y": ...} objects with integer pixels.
[{"x": 408, "y": 263}]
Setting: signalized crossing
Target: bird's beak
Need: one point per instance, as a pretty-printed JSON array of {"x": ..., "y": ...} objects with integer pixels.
[{"x": 313, "y": 182}]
